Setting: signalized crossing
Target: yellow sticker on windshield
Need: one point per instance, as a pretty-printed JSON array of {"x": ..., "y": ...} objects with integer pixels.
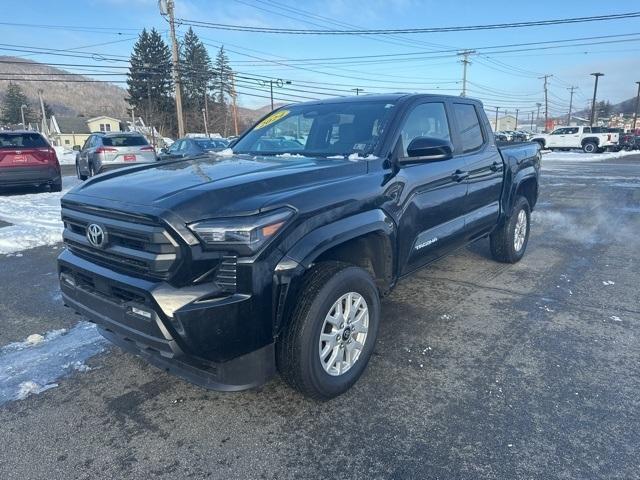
[{"x": 272, "y": 118}]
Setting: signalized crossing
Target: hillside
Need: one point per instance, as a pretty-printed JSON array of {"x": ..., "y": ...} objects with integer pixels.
[{"x": 66, "y": 98}]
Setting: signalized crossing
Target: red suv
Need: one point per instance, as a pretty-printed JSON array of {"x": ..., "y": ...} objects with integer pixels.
[{"x": 26, "y": 158}]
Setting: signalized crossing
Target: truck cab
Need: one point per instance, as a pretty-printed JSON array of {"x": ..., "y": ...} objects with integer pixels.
[{"x": 272, "y": 256}]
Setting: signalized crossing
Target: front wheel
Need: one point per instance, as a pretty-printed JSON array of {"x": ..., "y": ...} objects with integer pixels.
[
  {"x": 509, "y": 242},
  {"x": 332, "y": 332}
]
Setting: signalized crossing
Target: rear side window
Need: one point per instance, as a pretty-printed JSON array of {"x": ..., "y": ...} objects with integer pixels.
[
  {"x": 124, "y": 141},
  {"x": 469, "y": 125},
  {"x": 22, "y": 140}
]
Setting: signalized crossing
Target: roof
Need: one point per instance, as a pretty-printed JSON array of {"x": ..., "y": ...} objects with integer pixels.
[
  {"x": 386, "y": 97},
  {"x": 117, "y": 134},
  {"x": 72, "y": 125},
  {"x": 93, "y": 119}
]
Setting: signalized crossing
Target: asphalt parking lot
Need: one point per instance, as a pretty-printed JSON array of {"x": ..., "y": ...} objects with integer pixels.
[{"x": 481, "y": 371}]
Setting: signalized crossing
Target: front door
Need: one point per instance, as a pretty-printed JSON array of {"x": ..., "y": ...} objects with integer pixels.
[{"x": 432, "y": 200}]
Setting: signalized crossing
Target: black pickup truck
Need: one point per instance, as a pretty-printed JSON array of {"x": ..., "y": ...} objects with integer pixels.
[{"x": 273, "y": 255}]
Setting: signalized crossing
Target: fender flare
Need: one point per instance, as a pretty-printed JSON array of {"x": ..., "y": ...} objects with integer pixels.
[
  {"x": 318, "y": 241},
  {"x": 595, "y": 140},
  {"x": 521, "y": 176}
]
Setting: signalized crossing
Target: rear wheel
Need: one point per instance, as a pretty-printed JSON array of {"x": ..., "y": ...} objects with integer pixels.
[
  {"x": 92, "y": 170},
  {"x": 79, "y": 174},
  {"x": 332, "y": 331},
  {"x": 509, "y": 242},
  {"x": 56, "y": 185},
  {"x": 590, "y": 147}
]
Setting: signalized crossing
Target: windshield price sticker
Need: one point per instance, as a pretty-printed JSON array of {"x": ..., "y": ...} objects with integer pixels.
[{"x": 272, "y": 118}]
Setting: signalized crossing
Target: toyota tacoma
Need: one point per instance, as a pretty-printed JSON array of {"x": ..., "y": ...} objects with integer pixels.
[{"x": 272, "y": 256}]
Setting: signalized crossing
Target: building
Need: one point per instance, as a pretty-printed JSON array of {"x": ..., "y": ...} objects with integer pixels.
[
  {"x": 508, "y": 122},
  {"x": 71, "y": 131}
]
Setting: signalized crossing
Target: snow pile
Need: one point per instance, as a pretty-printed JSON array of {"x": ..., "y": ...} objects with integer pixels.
[
  {"x": 579, "y": 156},
  {"x": 35, "y": 219},
  {"x": 30, "y": 368},
  {"x": 65, "y": 155}
]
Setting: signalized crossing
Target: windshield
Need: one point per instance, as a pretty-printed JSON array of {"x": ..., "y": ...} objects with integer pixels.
[
  {"x": 124, "y": 141},
  {"x": 22, "y": 140},
  {"x": 207, "y": 144},
  {"x": 324, "y": 130}
]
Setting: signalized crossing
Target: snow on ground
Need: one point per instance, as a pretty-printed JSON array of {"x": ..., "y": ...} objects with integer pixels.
[
  {"x": 65, "y": 155},
  {"x": 33, "y": 366},
  {"x": 35, "y": 219},
  {"x": 580, "y": 156}
]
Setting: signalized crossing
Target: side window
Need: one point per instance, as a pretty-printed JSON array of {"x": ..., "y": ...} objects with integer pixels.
[
  {"x": 87, "y": 143},
  {"x": 175, "y": 146},
  {"x": 572, "y": 131},
  {"x": 469, "y": 125},
  {"x": 586, "y": 130},
  {"x": 425, "y": 120}
]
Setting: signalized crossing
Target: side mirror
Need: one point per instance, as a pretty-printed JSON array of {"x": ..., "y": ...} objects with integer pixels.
[
  {"x": 76, "y": 148},
  {"x": 428, "y": 149},
  {"x": 164, "y": 150}
]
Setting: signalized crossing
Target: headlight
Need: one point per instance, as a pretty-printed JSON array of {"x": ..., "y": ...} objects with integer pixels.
[{"x": 245, "y": 233}]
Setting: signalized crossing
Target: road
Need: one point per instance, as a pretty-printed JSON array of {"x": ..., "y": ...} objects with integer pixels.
[{"x": 482, "y": 371}]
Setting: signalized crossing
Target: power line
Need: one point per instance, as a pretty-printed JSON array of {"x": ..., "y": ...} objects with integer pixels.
[{"x": 294, "y": 31}]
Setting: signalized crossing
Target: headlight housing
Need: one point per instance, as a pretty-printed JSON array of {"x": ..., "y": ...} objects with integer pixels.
[{"x": 244, "y": 234}]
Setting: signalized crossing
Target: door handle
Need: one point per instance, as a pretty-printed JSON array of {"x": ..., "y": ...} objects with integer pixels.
[
  {"x": 459, "y": 175},
  {"x": 495, "y": 166}
]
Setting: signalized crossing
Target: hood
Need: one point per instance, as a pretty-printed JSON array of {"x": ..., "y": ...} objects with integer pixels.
[{"x": 204, "y": 186}]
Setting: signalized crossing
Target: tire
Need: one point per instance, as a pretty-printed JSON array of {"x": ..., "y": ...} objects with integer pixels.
[
  {"x": 504, "y": 247},
  {"x": 78, "y": 174},
  {"x": 590, "y": 147},
  {"x": 56, "y": 186},
  {"x": 92, "y": 170},
  {"x": 298, "y": 350}
]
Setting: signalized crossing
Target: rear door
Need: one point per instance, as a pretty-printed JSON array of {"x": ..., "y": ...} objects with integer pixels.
[
  {"x": 24, "y": 149},
  {"x": 485, "y": 167},
  {"x": 432, "y": 202}
]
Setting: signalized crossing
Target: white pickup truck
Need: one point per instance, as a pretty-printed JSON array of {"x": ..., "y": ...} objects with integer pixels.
[{"x": 589, "y": 139}]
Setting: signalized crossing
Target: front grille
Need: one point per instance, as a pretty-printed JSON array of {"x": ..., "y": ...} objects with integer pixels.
[{"x": 133, "y": 246}]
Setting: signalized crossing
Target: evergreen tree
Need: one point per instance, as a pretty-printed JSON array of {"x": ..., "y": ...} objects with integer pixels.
[
  {"x": 195, "y": 69},
  {"x": 13, "y": 100},
  {"x": 222, "y": 84},
  {"x": 149, "y": 81}
]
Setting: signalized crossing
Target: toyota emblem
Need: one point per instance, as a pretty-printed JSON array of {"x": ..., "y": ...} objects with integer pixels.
[{"x": 96, "y": 235}]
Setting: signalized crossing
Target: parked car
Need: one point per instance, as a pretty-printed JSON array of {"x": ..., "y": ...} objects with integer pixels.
[
  {"x": 500, "y": 137},
  {"x": 589, "y": 139},
  {"x": 27, "y": 159},
  {"x": 630, "y": 142},
  {"x": 108, "y": 150},
  {"x": 186, "y": 147},
  {"x": 224, "y": 271},
  {"x": 515, "y": 136}
]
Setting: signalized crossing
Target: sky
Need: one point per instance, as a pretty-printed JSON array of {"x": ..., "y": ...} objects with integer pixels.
[{"x": 417, "y": 62}]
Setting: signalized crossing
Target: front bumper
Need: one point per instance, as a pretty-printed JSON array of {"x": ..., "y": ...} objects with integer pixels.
[
  {"x": 191, "y": 332},
  {"x": 18, "y": 176}
]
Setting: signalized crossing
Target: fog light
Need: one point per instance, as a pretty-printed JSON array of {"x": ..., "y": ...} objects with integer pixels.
[
  {"x": 142, "y": 313},
  {"x": 68, "y": 279}
]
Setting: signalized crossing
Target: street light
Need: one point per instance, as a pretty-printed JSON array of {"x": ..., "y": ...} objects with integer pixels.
[
  {"x": 635, "y": 112},
  {"x": 22, "y": 107},
  {"x": 595, "y": 92}
]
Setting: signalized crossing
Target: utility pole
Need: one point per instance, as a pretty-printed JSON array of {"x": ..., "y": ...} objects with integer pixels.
[
  {"x": 235, "y": 106},
  {"x": 532, "y": 120},
  {"x": 206, "y": 110},
  {"x": 465, "y": 62},
  {"x": 570, "y": 104},
  {"x": 593, "y": 102},
  {"x": 517, "y": 110},
  {"x": 278, "y": 82},
  {"x": 204, "y": 119},
  {"x": 22, "y": 107},
  {"x": 133, "y": 119},
  {"x": 45, "y": 129},
  {"x": 496, "y": 127},
  {"x": 167, "y": 8},
  {"x": 635, "y": 112},
  {"x": 358, "y": 90},
  {"x": 546, "y": 99}
]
